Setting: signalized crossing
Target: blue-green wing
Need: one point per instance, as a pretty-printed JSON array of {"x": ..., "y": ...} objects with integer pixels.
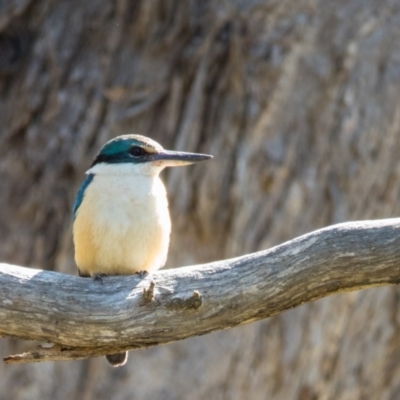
[{"x": 81, "y": 193}]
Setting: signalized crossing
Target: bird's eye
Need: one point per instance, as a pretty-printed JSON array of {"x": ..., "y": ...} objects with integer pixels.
[{"x": 136, "y": 151}]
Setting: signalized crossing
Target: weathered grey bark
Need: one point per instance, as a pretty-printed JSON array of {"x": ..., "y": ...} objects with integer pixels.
[
  {"x": 125, "y": 313},
  {"x": 299, "y": 103}
]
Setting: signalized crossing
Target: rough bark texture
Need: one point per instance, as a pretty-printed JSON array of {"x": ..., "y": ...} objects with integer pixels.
[
  {"x": 116, "y": 314},
  {"x": 299, "y": 103}
]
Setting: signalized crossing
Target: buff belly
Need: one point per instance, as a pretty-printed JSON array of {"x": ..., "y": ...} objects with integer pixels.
[{"x": 122, "y": 234}]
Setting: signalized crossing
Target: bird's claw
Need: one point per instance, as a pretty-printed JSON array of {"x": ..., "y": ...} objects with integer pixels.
[
  {"x": 99, "y": 278},
  {"x": 141, "y": 273}
]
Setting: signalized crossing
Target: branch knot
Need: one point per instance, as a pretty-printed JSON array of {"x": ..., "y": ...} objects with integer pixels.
[{"x": 148, "y": 294}]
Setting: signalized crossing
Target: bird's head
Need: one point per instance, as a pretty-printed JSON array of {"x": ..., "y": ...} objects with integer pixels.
[{"x": 141, "y": 155}]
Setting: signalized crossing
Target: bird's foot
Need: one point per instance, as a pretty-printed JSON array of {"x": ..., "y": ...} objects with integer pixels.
[
  {"x": 98, "y": 277},
  {"x": 141, "y": 273}
]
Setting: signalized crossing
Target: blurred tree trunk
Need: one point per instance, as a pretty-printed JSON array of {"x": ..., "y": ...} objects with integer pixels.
[{"x": 299, "y": 101}]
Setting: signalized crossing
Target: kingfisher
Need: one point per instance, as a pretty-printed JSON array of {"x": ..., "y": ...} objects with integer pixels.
[{"x": 121, "y": 219}]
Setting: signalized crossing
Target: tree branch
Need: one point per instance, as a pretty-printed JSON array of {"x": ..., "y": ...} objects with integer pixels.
[{"x": 86, "y": 318}]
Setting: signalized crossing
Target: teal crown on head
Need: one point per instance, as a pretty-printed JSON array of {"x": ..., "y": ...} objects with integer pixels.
[
  {"x": 135, "y": 149},
  {"x": 138, "y": 149}
]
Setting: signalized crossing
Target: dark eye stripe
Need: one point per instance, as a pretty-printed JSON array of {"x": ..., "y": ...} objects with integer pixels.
[{"x": 137, "y": 151}]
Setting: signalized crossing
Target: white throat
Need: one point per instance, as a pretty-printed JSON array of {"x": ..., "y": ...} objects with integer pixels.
[{"x": 144, "y": 169}]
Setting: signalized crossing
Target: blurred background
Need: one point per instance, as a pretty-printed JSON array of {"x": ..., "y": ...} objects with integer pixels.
[{"x": 298, "y": 101}]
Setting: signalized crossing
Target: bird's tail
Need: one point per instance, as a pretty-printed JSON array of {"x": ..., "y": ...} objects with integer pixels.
[{"x": 118, "y": 359}]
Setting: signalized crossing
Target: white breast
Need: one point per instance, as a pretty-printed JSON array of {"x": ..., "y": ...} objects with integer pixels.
[{"x": 123, "y": 225}]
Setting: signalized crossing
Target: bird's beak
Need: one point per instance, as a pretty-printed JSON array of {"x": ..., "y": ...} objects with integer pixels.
[{"x": 168, "y": 158}]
